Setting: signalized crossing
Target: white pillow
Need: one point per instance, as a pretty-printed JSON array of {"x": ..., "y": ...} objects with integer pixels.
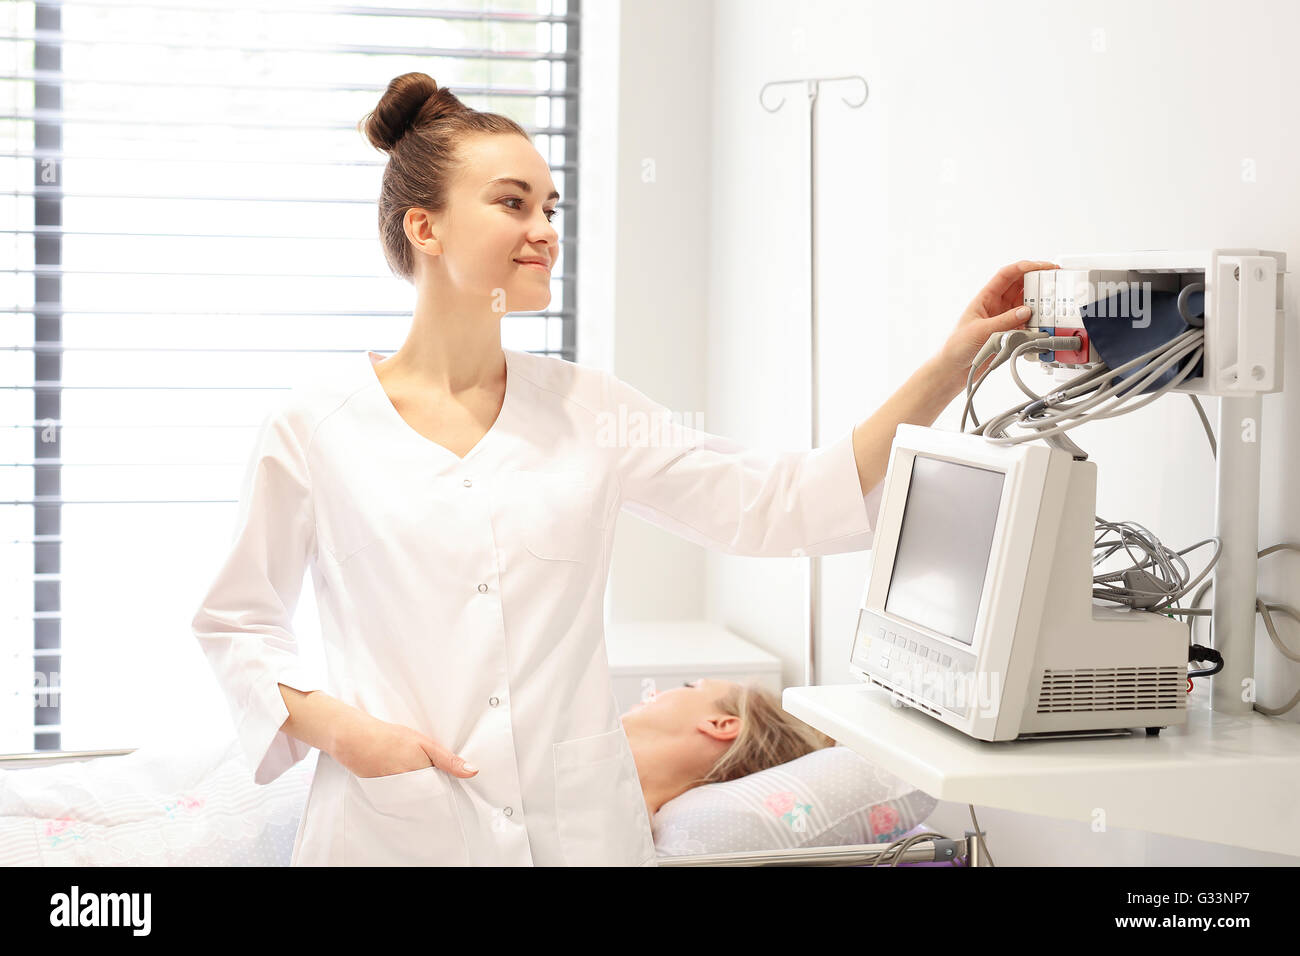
[
  {"x": 830, "y": 797},
  {"x": 153, "y": 807}
]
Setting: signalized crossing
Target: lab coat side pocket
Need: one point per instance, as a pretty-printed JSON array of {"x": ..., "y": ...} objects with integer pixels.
[
  {"x": 600, "y": 809},
  {"x": 402, "y": 819}
]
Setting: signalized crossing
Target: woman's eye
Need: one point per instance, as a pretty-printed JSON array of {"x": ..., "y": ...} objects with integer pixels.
[{"x": 550, "y": 214}]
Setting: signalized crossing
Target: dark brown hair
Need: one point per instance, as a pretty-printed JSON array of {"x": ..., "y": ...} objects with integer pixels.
[{"x": 421, "y": 128}]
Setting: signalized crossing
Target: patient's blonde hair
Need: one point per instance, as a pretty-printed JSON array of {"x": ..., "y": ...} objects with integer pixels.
[{"x": 768, "y": 735}]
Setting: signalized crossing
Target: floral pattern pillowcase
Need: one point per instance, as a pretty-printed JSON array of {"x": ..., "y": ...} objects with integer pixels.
[{"x": 830, "y": 797}]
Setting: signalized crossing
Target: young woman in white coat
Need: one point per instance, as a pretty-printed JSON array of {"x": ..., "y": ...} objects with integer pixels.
[{"x": 455, "y": 503}]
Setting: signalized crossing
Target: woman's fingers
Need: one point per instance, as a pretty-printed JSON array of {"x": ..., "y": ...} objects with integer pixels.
[
  {"x": 1007, "y": 287},
  {"x": 1009, "y": 275},
  {"x": 444, "y": 759}
]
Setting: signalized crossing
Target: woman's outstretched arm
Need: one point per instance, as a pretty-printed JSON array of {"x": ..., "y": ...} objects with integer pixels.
[{"x": 942, "y": 377}]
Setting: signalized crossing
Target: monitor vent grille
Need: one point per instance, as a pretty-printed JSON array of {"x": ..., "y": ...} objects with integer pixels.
[{"x": 1113, "y": 688}]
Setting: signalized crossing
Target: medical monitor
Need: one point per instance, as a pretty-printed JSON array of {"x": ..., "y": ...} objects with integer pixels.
[{"x": 979, "y": 610}]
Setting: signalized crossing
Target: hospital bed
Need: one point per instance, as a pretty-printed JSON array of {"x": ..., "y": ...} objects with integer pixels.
[{"x": 199, "y": 807}]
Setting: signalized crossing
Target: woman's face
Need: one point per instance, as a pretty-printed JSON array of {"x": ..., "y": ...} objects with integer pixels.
[
  {"x": 688, "y": 707},
  {"x": 491, "y": 221}
]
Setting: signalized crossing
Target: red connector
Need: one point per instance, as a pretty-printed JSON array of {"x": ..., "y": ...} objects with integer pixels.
[{"x": 1079, "y": 357}]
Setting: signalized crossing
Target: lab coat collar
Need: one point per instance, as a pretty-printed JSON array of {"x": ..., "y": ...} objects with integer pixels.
[{"x": 390, "y": 414}]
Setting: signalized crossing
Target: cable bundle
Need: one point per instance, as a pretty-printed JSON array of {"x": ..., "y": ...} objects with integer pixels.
[
  {"x": 1154, "y": 583},
  {"x": 1054, "y": 414}
]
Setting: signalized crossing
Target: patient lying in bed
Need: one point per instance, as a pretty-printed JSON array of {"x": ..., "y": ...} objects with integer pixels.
[
  {"x": 710, "y": 731},
  {"x": 777, "y": 784}
]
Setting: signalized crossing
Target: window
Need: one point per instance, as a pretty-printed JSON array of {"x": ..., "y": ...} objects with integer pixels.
[{"x": 190, "y": 227}]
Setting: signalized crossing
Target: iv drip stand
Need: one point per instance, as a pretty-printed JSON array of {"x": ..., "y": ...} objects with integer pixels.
[{"x": 814, "y": 563}]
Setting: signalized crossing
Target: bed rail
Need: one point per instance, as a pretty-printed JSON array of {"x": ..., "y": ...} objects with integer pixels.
[{"x": 924, "y": 851}]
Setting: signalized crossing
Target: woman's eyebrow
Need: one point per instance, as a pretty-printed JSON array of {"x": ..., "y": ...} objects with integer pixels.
[{"x": 520, "y": 183}]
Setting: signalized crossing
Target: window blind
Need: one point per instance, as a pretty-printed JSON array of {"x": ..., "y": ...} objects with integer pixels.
[{"x": 189, "y": 228}]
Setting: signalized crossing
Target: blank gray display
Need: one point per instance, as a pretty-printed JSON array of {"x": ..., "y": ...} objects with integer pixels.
[{"x": 943, "y": 546}]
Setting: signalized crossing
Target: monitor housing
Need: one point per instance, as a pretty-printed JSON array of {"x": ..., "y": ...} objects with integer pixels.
[{"x": 978, "y": 608}]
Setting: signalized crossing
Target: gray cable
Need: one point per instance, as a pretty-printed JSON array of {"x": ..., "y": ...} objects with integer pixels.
[
  {"x": 896, "y": 849},
  {"x": 1097, "y": 395},
  {"x": 1173, "y": 580},
  {"x": 1002, "y": 343},
  {"x": 994, "y": 430},
  {"x": 1133, "y": 385},
  {"x": 1164, "y": 355},
  {"x": 1004, "y": 356},
  {"x": 1193, "y": 320},
  {"x": 1260, "y": 608},
  {"x": 1209, "y": 433}
]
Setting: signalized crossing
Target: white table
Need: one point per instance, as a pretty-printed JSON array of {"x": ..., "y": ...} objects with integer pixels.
[{"x": 1231, "y": 779}]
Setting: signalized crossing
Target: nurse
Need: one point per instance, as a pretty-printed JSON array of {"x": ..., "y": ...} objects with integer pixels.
[{"x": 455, "y": 503}]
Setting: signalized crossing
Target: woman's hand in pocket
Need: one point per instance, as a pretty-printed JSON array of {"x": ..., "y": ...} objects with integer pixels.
[{"x": 371, "y": 747}]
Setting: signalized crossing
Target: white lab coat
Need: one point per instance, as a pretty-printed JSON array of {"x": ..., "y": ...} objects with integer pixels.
[{"x": 464, "y": 598}]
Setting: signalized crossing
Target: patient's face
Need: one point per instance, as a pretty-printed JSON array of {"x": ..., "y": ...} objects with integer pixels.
[{"x": 692, "y": 706}]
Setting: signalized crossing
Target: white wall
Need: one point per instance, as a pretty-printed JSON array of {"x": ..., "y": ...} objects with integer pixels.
[
  {"x": 993, "y": 132},
  {"x": 659, "y": 246}
]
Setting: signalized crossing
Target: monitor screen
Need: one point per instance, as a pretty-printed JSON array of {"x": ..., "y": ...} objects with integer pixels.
[{"x": 943, "y": 546}]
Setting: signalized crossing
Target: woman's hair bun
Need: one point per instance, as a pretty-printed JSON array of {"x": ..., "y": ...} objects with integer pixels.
[{"x": 411, "y": 99}]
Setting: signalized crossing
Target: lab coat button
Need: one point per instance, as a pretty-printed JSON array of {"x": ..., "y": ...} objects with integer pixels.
[
  {"x": 508, "y": 811},
  {"x": 493, "y": 701},
  {"x": 467, "y": 482},
  {"x": 482, "y": 587}
]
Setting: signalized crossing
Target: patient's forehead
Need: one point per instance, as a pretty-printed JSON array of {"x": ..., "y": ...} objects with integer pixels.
[{"x": 715, "y": 687}]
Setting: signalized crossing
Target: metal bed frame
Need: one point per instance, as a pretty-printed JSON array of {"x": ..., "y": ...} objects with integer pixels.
[{"x": 936, "y": 849}]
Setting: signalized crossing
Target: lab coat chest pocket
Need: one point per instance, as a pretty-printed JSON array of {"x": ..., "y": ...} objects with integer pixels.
[
  {"x": 355, "y": 525},
  {"x": 402, "y": 819},
  {"x": 362, "y": 501},
  {"x": 557, "y": 515},
  {"x": 600, "y": 809}
]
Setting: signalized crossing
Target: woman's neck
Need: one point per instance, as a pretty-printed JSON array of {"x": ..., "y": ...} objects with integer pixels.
[{"x": 667, "y": 765}]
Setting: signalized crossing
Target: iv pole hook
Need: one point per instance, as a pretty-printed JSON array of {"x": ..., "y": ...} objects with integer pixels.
[{"x": 813, "y": 83}]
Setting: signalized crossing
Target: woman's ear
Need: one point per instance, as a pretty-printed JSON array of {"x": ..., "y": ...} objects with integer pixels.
[
  {"x": 725, "y": 727},
  {"x": 421, "y": 229}
]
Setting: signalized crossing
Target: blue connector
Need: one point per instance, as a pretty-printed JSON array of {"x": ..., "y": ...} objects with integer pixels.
[{"x": 1047, "y": 356}]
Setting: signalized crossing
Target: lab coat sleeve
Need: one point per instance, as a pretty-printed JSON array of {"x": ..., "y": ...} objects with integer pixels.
[
  {"x": 719, "y": 494},
  {"x": 244, "y": 623}
]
